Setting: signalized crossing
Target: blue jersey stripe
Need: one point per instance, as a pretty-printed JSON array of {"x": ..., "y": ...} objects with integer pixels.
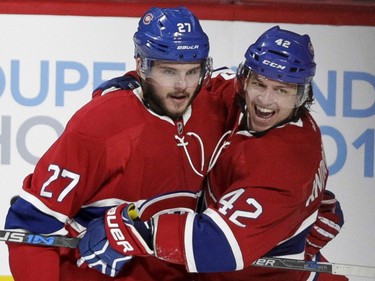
[
  {"x": 209, "y": 246},
  {"x": 23, "y": 215}
]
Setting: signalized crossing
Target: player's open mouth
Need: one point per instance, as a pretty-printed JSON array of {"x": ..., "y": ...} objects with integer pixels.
[
  {"x": 263, "y": 112},
  {"x": 179, "y": 98}
]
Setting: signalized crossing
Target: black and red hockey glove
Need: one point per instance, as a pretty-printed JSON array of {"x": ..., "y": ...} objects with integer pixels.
[{"x": 327, "y": 225}]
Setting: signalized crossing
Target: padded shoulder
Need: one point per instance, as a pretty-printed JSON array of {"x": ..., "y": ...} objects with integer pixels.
[{"x": 125, "y": 82}]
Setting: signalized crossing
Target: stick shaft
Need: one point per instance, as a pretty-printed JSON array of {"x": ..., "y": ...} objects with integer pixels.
[
  {"x": 324, "y": 267},
  {"x": 353, "y": 270},
  {"x": 293, "y": 264},
  {"x": 36, "y": 239},
  {"x": 290, "y": 264}
]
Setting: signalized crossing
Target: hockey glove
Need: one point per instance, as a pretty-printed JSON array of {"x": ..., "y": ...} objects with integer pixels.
[
  {"x": 327, "y": 225},
  {"x": 97, "y": 254},
  {"x": 110, "y": 243}
]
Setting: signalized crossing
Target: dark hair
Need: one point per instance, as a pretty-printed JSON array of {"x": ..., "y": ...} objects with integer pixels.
[{"x": 305, "y": 107}]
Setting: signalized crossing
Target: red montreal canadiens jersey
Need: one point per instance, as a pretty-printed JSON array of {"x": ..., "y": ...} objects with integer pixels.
[
  {"x": 263, "y": 195},
  {"x": 115, "y": 150}
]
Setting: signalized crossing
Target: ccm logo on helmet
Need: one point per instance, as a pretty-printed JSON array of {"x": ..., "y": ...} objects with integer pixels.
[
  {"x": 191, "y": 47},
  {"x": 273, "y": 64},
  {"x": 115, "y": 231}
]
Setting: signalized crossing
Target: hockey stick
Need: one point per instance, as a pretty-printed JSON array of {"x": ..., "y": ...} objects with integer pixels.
[
  {"x": 313, "y": 266},
  {"x": 290, "y": 264},
  {"x": 36, "y": 239}
]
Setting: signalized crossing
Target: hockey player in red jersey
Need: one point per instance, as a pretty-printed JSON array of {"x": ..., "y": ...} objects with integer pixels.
[
  {"x": 140, "y": 139},
  {"x": 265, "y": 189}
]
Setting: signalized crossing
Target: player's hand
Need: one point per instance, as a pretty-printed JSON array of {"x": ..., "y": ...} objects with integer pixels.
[
  {"x": 96, "y": 252},
  {"x": 111, "y": 242},
  {"x": 326, "y": 227}
]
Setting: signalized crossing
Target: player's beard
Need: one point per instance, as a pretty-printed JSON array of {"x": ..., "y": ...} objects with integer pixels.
[{"x": 159, "y": 104}]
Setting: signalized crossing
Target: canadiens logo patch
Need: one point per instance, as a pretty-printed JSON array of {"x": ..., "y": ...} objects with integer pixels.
[
  {"x": 180, "y": 128},
  {"x": 147, "y": 19}
]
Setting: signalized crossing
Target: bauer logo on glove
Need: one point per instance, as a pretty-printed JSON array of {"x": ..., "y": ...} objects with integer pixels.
[
  {"x": 126, "y": 232},
  {"x": 115, "y": 231},
  {"x": 110, "y": 242}
]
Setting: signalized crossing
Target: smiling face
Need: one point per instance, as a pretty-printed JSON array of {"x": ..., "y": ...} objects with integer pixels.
[
  {"x": 173, "y": 86},
  {"x": 268, "y": 102}
]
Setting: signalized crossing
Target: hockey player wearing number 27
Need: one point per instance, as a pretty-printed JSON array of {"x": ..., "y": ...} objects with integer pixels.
[
  {"x": 145, "y": 137},
  {"x": 264, "y": 189}
]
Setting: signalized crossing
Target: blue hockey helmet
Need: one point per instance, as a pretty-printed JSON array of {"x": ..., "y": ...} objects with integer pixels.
[
  {"x": 282, "y": 55},
  {"x": 171, "y": 34}
]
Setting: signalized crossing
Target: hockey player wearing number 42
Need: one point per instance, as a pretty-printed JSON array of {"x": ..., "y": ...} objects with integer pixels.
[{"x": 264, "y": 190}]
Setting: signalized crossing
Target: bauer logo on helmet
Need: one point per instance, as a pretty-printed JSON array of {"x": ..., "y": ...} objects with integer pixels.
[{"x": 192, "y": 47}]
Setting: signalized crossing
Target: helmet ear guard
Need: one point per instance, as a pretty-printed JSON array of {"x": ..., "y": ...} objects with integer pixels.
[
  {"x": 242, "y": 74},
  {"x": 303, "y": 92},
  {"x": 206, "y": 72}
]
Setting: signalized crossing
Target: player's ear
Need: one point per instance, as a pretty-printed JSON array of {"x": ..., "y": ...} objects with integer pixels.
[{"x": 138, "y": 66}]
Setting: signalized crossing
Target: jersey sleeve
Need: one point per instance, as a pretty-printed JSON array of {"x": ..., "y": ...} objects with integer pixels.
[
  {"x": 222, "y": 83},
  {"x": 84, "y": 159},
  {"x": 126, "y": 82},
  {"x": 234, "y": 233}
]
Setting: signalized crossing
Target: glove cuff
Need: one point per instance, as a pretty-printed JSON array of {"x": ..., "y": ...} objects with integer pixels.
[{"x": 125, "y": 238}]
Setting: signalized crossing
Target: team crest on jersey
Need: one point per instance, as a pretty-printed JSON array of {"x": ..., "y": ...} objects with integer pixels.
[
  {"x": 180, "y": 128},
  {"x": 179, "y": 202}
]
